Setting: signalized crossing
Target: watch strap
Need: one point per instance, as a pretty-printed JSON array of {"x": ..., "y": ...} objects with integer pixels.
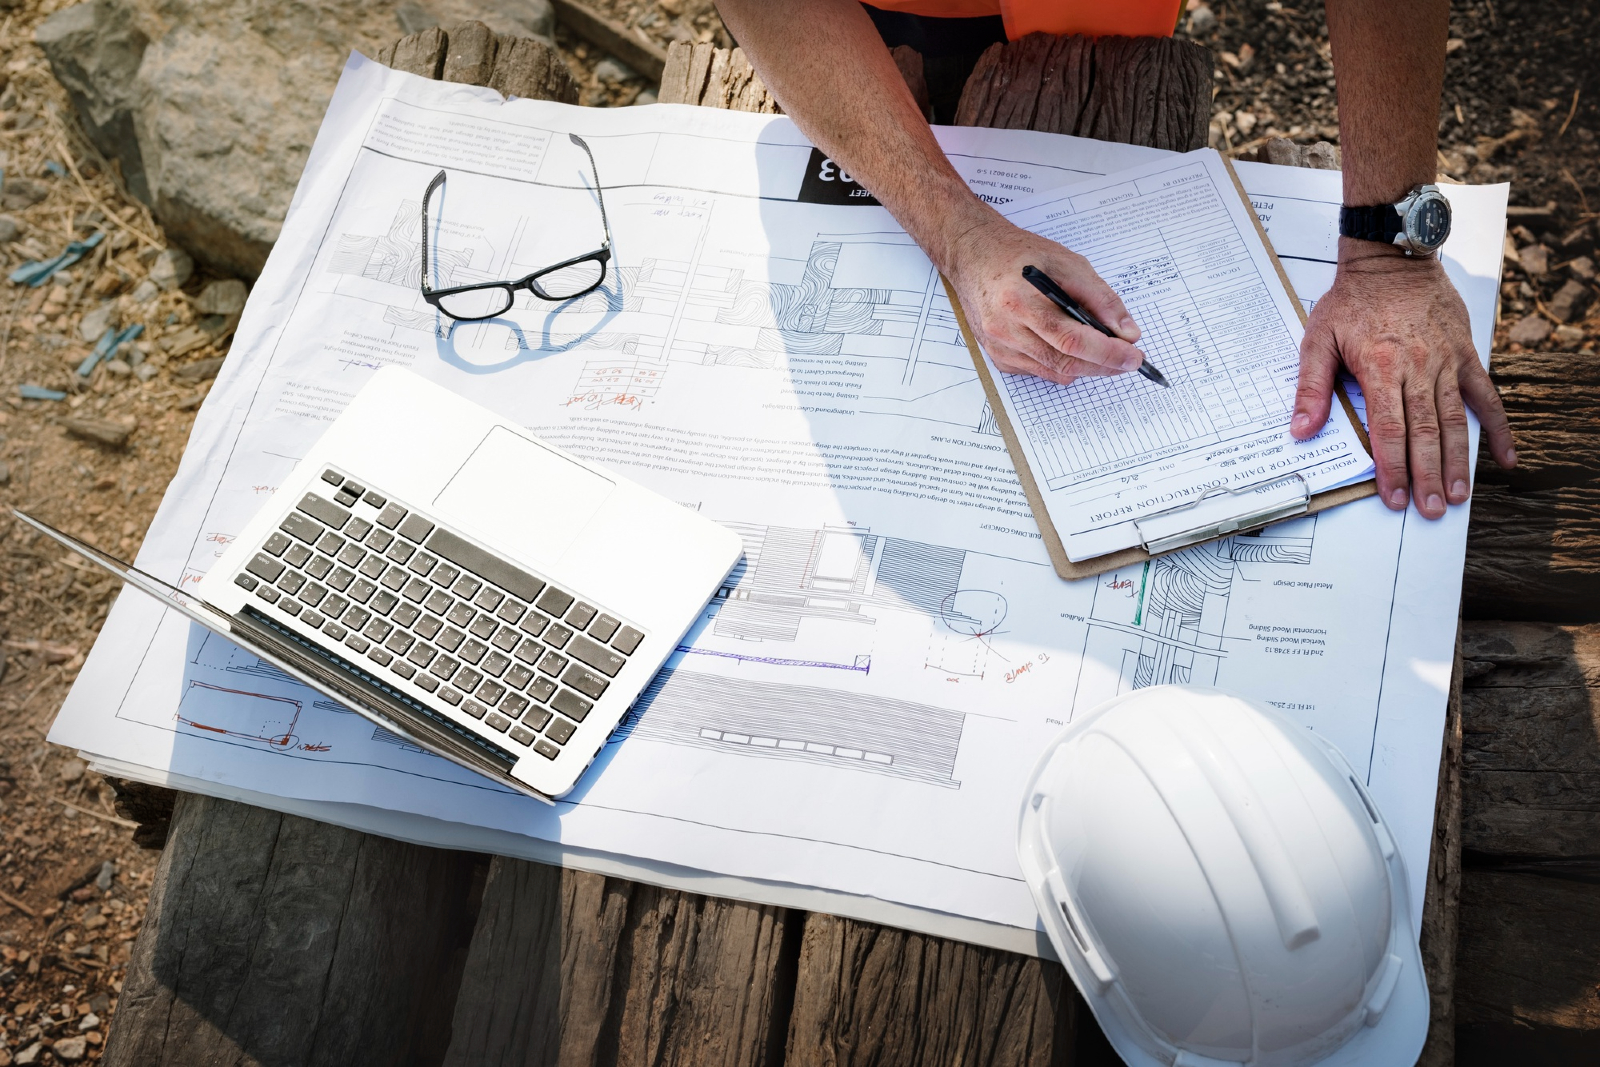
[{"x": 1379, "y": 222}]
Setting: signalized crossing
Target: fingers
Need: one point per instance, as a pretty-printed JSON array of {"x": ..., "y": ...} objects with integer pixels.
[
  {"x": 1386, "y": 427},
  {"x": 1484, "y": 400},
  {"x": 1423, "y": 441},
  {"x": 1454, "y": 441},
  {"x": 1029, "y": 354},
  {"x": 1108, "y": 355},
  {"x": 1313, "y": 398},
  {"x": 1101, "y": 300}
]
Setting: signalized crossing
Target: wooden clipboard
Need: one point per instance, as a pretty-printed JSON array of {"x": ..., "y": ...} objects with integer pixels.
[{"x": 1126, "y": 557}]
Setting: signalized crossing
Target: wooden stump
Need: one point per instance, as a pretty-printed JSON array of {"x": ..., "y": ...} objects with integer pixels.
[
  {"x": 1138, "y": 90},
  {"x": 473, "y": 54},
  {"x": 714, "y": 77}
]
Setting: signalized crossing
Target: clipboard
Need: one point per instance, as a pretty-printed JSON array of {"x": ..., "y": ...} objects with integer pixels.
[{"x": 1222, "y": 513}]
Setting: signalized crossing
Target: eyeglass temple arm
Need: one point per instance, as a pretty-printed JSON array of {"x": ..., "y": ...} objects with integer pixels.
[
  {"x": 438, "y": 180},
  {"x": 598, "y": 194}
]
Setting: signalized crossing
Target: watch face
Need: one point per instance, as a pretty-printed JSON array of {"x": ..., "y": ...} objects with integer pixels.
[{"x": 1428, "y": 222}]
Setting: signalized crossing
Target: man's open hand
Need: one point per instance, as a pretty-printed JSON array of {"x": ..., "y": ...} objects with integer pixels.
[
  {"x": 1020, "y": 329},
  {"x": 1401, "y": 328}
]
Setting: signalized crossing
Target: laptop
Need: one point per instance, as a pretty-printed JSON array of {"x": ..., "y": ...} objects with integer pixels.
[{"x": 443, "y": 572}]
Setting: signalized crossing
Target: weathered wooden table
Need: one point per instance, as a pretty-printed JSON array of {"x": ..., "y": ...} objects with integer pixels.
[{"x": 272, "y": 939}]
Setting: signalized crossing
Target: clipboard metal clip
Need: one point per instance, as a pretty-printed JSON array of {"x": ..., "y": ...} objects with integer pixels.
[{"x": 1222, "y": 511}]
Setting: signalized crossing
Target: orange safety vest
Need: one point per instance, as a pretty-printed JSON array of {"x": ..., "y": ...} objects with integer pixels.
[{"x": 1092, "y": 18}]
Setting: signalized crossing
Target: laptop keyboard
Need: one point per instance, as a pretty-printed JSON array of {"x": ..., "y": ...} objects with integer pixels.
[{"x": 520, "y": 657}]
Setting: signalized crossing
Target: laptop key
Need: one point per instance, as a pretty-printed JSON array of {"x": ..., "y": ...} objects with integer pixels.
[
  {"x": 394, "y": 578},
  {"x": 302, "y": 528},
  {"x": 468, "y": 680},
  {"x": 489, "y": 599},
  {"x": 518, "y": 676},
  {"x": 438, "y": 602},
  {"x": 491, "y": 692},
  {"x": 352, "y": 555},
  {"x": 485, "y": 565},
  {"x": 290, "y": 607},
  {"x": 334, "y": 632},
  {"x": 374, "y": 500},
  {"x": 603, "y": 627},
  {"x": 403, "y": 669},
  {"x": 506, "y": 639},
  {"x": 312, "y": 619},
  {"x": 384, "y": 602},
  {"x": 400, "y": 551},
  {"x": 423, "y": 681},
  {"x": 379, "y": 656},
  {"x": 497, "y": 721},
  {"x": 546, "y": 749},
  {"x": 560, "y": 731},
  {"x": 269, "y": 594},
  {"x": 422, "y": 654},
  {"x": 356, "y": 618},
  {"x": 579, "y": 615},
  {"x": 444, "y": 575},
  {"x": 483, "y": 627},
  {"x": 399, "y": 642},
  {"x": 511, "y": 611},
  {"x": 422, "y": 563},
  {"x": 345, "y": 498},
  {"x": 534, "y": 623},
  {"x": 361, "y": 590},
  {"x": 340, "y": 579},
  {"x": 334, "y": 606},
  {"x": 494, "y": 664},
  {"x": 291, "y": 582},
  {"x": 330, "y": 544},
  {"x": 473, "y": 708},
  {"x": 415, "y": 591},
  {"x": 377, "y": 629},
  {"x": 427, "y": 627},
  {"x": 415, "y": 528},
  {"x": 405, "y": 615},
  {"x": 245, "y": 582},
  {"x": 450, "y": 696},
  {"x": 585, "y": 681},
  {"x": 358, "y": 529},
  {"x": 379, "y": 540},
  {"x": 390, "y": 516},
  {"x": 357, "y": 643},
  {"x": 467, "y": 587},
  {"x": 443, "y": 668},
  {"x": 571, "y": 705},
  {"x": 451, "y": 639},
  {"x": 596, "y": 655},
  {"x": 297, "y": 556},
  {"x": 557, "y": 636},
  {"x": 324, "y": 511},
  {"x": 275, "y": 544},
  {"x": 373, "y": 566},
  {"x": 541, "y": 689},
  {"x": 522, "y": 735},
  {"x": 627, "y": 640},
  {"x": 536, "y": 717},
  {"x": 472, "y": 650},
  {"x": 460, "y": 615},
  {"x": 264, "y": 567},
  {"x": 555, "y": 602},
  {"x": 333, "y": 477},
  {"x": 319, "y": 567},
  {"x": 552, "y": 664},
  {"x": 529, "y": 651},
  {"x": 514, "y": 704}
]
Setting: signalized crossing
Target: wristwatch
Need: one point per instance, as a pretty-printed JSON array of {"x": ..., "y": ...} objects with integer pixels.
[{"x": 1419, "y": 223}]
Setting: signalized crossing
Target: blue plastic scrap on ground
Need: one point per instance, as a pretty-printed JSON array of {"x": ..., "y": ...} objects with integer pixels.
[
  {"x": 106, "y": 347},
  {"x": 39, "y": 392},
  {"x": 39, "y": 271}
]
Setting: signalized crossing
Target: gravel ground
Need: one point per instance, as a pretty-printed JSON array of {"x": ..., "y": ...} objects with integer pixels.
[{"x": 72, "y": 885}]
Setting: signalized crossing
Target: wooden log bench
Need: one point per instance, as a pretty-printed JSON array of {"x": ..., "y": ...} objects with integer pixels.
[{"x": 272, "y": 939}]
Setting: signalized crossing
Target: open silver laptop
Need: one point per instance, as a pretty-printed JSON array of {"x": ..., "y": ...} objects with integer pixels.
[{"x": 446, "y": 574}]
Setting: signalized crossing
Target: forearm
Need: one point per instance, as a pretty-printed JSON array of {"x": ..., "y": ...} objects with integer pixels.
[
  {"x": 825, "y": 63},
  {"x": 1388, "y": 58}
]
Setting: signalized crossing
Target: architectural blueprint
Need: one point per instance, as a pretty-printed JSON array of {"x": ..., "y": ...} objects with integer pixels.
[{"x": 848, "y": 722}]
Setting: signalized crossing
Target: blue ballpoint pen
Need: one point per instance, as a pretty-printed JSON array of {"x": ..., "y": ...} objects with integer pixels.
[{"x": 1058, "y": 296}]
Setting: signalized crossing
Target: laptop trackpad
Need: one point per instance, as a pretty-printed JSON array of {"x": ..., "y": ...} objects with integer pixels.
[{"x": 519, "y": 495}]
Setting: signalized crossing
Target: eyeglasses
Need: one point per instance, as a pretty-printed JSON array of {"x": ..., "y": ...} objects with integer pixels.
[{"x": 564, "y": 281}]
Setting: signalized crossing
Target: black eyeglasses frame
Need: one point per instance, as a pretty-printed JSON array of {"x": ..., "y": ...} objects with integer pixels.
[{"x": 530, "y": 282}]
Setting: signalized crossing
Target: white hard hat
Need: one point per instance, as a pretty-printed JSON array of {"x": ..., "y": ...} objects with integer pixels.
[{"x": 1221, "y": 888}]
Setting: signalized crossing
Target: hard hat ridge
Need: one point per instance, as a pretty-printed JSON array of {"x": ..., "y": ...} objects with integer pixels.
[{"x": 1220, "y": 886}]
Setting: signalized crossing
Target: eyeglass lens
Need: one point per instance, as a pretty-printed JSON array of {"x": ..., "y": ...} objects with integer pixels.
[{"x": 477, "y": 303}]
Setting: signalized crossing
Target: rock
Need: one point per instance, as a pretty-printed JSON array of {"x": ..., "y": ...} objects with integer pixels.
[
  {"x": 611, "y": 70},
  {"x": 172, "y": 268},
  {"x": 118, "y": 368},
  {"x": 20, "y": 193},
  {"x": 70, "y": 1049},
  {"x": 185, "y": 340},
  {"x": 10, "y": 229},
  {"x": 144, "y": 292},
  {"x": 102, "y": 882},
  {"x": 1244, "y": 122},
  {"x": 214, "y": 104},
  {"x": 1202, "y": 20},
  {"x": 222, "y": 298},
  {"x": 89, "y": 1022},
  {"x": 30, "y": 1055},
  {"x": 95, "y": 323},
  {"x": 144, "y": 372},
  {"x": 113, "y": 434},
  {"x": 72, "y": 770},
  {"x": 648, "y": 96},
  {"x": 1530, "y": 330},
  {"x": 1582, "y": 268},
  {"x": 200, "y": 370},
  {"x": 1569, "y": 337},
  {"x": 1569, "y": 301},
  {"x": 1535, "y": 260}
]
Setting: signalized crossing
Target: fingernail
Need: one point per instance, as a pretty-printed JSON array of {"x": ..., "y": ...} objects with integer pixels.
[
  {"x": 1398, "y": 498},
  {"x": 1511, "y": 456},
  {"x": 1127, "y": 326},
  {"x": 1458, "y": 489},
  {"x": 1300, "y": 421},
  {"x": 1133, "y": 362},
  {"x": 1435, "y": 502}
]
